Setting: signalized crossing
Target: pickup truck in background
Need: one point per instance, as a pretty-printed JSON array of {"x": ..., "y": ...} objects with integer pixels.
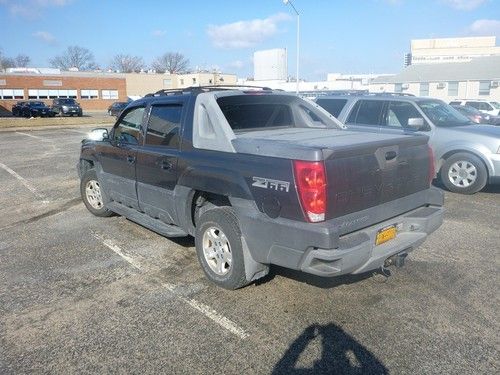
[{"x": 262, "y": 177}]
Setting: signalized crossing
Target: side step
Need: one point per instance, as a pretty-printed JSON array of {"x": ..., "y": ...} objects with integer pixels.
[{"x": 155, "y": 225}]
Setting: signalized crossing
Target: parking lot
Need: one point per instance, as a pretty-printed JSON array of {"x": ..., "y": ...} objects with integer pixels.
[{"x": 80, "y": 293}]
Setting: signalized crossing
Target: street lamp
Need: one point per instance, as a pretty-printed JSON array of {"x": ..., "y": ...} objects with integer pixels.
[{"x": 289, "y": 2}]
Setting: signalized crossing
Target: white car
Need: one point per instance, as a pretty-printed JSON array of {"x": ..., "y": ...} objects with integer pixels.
[{"x": 486, "y": 106}]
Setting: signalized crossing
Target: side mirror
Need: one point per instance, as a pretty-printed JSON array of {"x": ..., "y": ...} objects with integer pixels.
[
  {"x": 416, "y": 123},
  {"x": 98, "y": 134}
]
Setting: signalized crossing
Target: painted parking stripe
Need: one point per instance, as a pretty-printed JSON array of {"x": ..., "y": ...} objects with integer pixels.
[
  {"x": 200, "y": 307},
  {"x": 22, "y": 180},
  {"x": 34, "y": 137}
]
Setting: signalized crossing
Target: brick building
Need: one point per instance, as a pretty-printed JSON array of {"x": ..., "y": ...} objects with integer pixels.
[{"x": 94, "y": 91}]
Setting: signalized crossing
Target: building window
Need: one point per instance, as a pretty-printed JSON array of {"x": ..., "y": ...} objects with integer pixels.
[
  {"x": 484, "y": 88},
  {"x": 194, "y": 80},
  {"x": 11, "y": 94},
  {"x": 182, "y": 81},
  {"x": 89, "y": 94},
  {"x": 453, "y": 88},
  {"x": 398, "y": 87},
  {"x": 3, "y": 82},
  {"x": 109, "y": 94},
  {"x": 424, "y": 89},
  {"x": 50, "y": 94}
]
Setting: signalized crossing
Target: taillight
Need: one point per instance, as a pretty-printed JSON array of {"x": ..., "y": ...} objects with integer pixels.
[
  {"x": 432, "y": 167},
  {"x": 477, "y": 119},
  {"x": 310, "y": 179}
]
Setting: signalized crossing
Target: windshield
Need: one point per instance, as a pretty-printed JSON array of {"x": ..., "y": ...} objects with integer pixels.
[
  {"x": 442, "y": 114},
  {"x": 258, "y": 111},
  {"x": 67, "y": 101},
  {"x": 496, "y": 105}
]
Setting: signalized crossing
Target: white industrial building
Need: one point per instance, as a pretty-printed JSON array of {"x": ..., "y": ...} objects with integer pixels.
[
  {"x": 478, "y": 78},
  {"x": 270, "y": 64}
]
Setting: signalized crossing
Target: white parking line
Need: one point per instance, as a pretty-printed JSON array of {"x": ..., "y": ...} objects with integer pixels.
[
  {"x": 34, "y": 136},
  {"x": 22, "y": 180},
  {"x": 201, "y": 307}
]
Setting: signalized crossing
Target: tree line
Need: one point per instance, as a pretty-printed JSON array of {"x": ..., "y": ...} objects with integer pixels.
[{"x": 76, "y": 57}]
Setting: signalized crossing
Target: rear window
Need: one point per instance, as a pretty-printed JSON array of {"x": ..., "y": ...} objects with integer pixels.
[
  {"x": 334, "y": 106},
  {"x": 255, "y": 112},
  {"x": 455, "y": 103}
]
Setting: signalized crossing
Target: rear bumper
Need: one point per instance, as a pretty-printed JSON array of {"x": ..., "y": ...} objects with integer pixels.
[
  {"x": 343, "y": 245},
  {"x": 358, "y": 253}
]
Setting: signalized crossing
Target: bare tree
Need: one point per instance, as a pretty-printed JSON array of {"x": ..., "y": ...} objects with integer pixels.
[
  {"x": 74, "y": 57},
  {"x": 22, "y": 61},
  {"x": 172, "y": 62},
  {"x": 127, "y": 63}
]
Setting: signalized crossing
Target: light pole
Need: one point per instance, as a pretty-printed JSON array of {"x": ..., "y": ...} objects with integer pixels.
[{"x": 289, "y": 2}]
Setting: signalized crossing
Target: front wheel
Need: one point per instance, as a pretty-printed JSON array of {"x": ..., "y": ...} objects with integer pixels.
[
  {"x": 93, "y": 195},
  {"x": 219, "y": 248},
  {"x": 464, "y": 173}
]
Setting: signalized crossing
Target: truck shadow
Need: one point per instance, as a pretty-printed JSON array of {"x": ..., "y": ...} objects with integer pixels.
[
  {"x": 340, "y": 354},
  {"x": 317, "y": 281}
]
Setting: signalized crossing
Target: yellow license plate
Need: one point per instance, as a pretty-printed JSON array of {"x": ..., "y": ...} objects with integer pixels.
[{"x": 385, "y": 235}]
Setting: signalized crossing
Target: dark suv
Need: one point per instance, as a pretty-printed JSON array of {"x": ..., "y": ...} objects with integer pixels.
[
  {"x": 66, "y": 106},
  {"x": 32, "y": 109}
]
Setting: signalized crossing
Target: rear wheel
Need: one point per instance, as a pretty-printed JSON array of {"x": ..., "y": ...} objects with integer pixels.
[
  {"x": 93, "y": 195},
  {"x": 219, "y": 248},
  {"x": 464, "y": 173}
]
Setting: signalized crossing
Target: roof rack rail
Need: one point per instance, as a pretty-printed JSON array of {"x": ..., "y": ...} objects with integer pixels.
[
  {"x": 199, "y": 89},
  {"x": 390, "y": 94}
]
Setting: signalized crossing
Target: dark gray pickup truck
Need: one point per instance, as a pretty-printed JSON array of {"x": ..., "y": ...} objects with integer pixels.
[{"x": 262, "y": 177}]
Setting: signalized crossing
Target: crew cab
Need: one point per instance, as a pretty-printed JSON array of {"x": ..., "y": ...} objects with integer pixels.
[{"x": 262, "y": 177}]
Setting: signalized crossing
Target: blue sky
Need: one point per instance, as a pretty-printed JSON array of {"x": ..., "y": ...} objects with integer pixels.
[{"x": 357, "y": 36}]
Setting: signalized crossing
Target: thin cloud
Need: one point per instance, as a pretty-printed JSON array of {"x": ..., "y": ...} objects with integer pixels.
[
  {"x": 31, "y": 8},
  {"x": 159, "y": 33},
  {"x": 236, "y": 64},
  {"x": 245, "y": 34},
  {"x": 485, "y": 27},
  {"x": 464, "y": 4},
  {"x": 45, "y": 37}
]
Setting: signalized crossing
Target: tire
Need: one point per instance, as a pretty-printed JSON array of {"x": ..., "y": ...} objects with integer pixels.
[
  {"x": 464, "y": 173},
  {"x": 92, "y": 195},
  {"x": 224, "y": 265}
]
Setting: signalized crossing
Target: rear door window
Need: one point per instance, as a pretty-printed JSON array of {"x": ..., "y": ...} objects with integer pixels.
[
  {"x": 334, "y": 106},
  {"x": 367, "y": 112},
  {"x": 164, "y": 125},
  {"x": 473, "y": 104}
]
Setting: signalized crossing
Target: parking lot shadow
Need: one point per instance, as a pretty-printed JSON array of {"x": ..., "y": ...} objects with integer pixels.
[
  {"x": 317, "y": 281},
  {"x": 340, "y": 354}
]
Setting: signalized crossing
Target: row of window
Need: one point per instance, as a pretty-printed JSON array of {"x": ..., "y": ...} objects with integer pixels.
[
  {"x": 54, "y": 94},
  {"x": 484, "y": 88}
]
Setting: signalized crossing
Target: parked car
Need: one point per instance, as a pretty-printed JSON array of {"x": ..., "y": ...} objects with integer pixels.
[
  {"x": 32, "y": 109},
  {"x": 472, "y": 114},
  {"x": 116, "y": 108},
  {"x": 66, "y": 106},
  {"x": 467, "y": 155},
  {"x": 259, "y": 178},
  {"x": 486, "y": 106}
]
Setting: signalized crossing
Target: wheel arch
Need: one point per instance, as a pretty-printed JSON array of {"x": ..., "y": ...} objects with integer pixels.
[{"x": 467, "y": 150}]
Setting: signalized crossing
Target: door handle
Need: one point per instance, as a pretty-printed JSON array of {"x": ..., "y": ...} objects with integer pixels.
[
  {"x": 166, "y": 165},
  {"x": 390, "y": 155},
  {"x": 131, "y": 159}
]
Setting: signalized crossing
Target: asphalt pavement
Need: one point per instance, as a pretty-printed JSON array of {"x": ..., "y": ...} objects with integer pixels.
[{"x": 82, "y": 294}]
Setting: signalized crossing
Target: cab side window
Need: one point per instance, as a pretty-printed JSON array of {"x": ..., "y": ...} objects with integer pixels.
[
  {"x": 398, "y": 114},
  {"x": 128, "y": 129},
  {"x": 164, "y": 125}
]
